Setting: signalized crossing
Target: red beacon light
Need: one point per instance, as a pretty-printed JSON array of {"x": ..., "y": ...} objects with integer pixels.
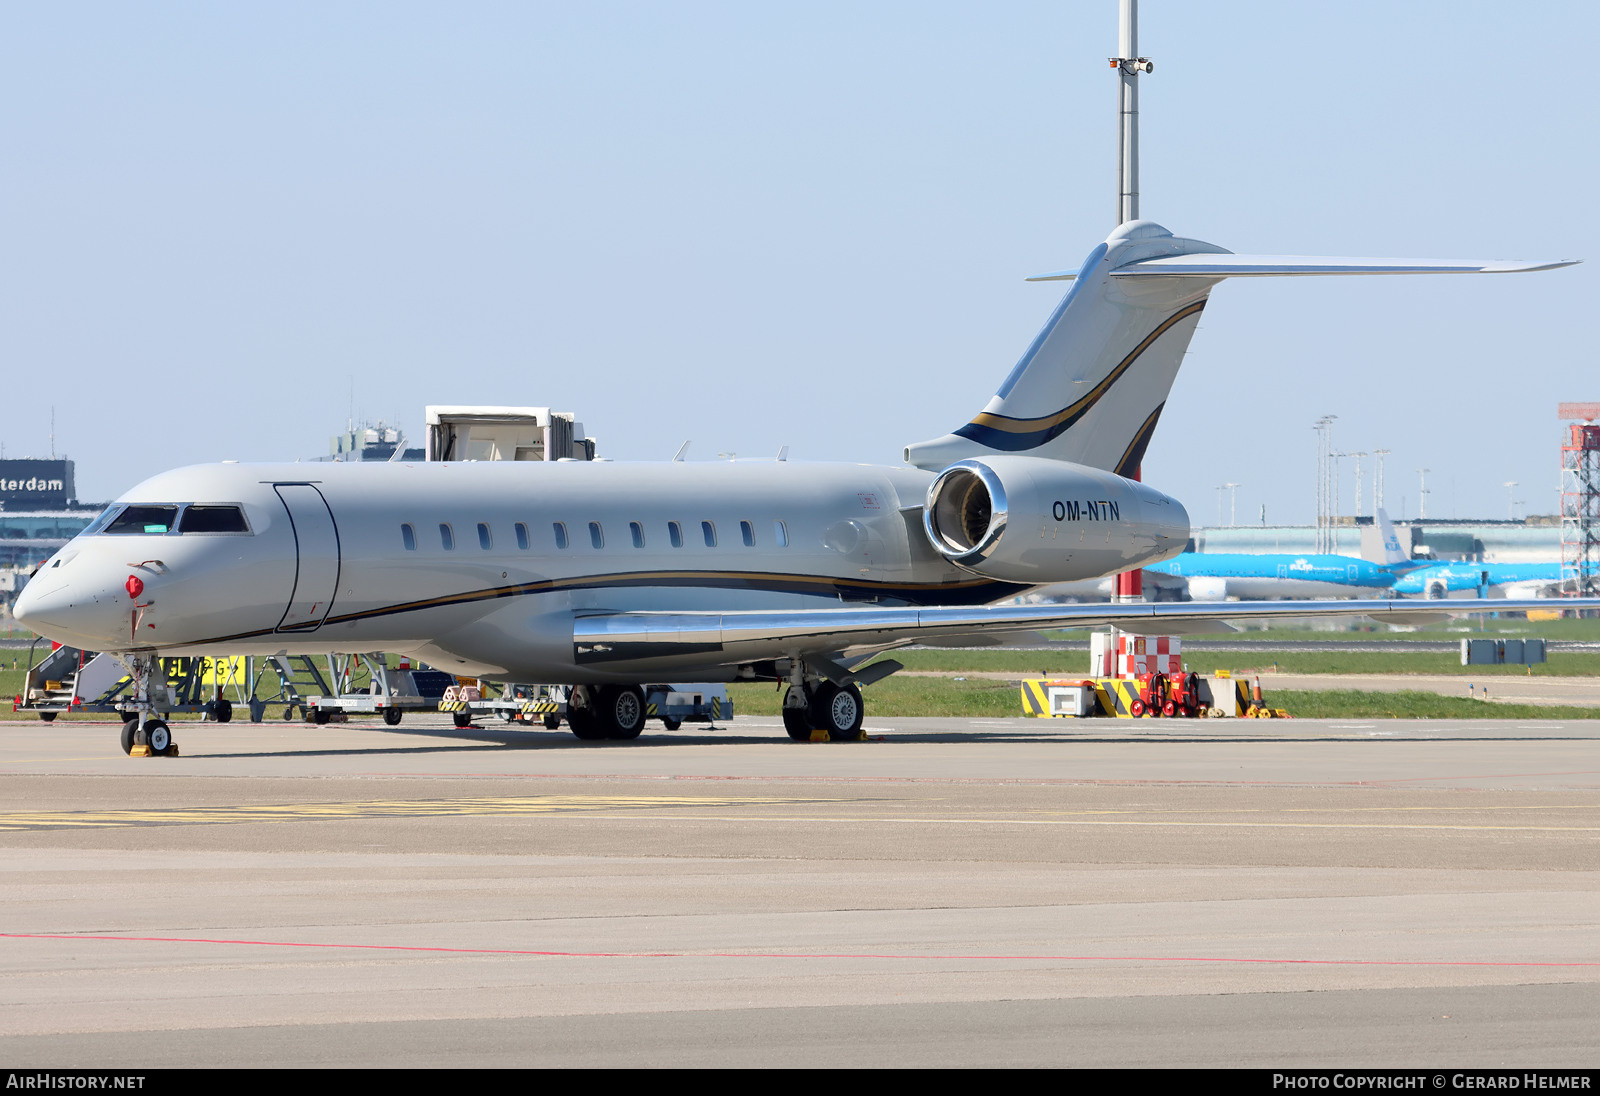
[{"x": 134, "y": 586}]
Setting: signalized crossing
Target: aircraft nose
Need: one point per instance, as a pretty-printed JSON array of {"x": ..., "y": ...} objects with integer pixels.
[{"x": 69, "y": 613}]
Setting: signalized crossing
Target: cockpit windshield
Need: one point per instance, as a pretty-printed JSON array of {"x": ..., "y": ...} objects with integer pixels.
[
  {"x": 164, "y": 520},
  {"x": 144, "y": 519}
]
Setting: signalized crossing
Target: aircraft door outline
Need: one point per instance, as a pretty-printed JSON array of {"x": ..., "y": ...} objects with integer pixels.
[{"x": 317, "y": 557}]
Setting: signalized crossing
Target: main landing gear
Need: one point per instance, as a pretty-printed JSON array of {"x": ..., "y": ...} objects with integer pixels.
[
  {"x": 823, "y": 712},
  {"x": 606, "y": 712}
]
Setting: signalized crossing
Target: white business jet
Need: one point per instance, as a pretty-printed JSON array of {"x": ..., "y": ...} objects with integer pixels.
[{"x": 607, "y": 576}]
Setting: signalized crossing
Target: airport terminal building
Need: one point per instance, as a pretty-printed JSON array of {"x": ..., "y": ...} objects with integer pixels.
[{"x": 39, "y": 510}]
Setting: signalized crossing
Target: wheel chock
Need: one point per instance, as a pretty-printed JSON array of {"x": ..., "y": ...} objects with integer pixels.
[
  {"x": 172, "y": 750},
  {"x": 139, "y": 750},
  {"x": 818, "y": 734}
]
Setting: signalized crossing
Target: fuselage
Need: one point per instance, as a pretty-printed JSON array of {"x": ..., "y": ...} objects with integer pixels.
[
  {"x": 482, "y": 567},
  {"x": 1213, "y": 576},
  {"x": 1496, "y": 579}
]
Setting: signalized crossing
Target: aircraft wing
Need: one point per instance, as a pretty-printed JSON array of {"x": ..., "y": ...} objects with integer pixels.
[{"x": 747, "y": 636}]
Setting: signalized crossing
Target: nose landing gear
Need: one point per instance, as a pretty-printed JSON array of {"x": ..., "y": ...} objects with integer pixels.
[
  {"x": 153, "y": 740},
  {"x": 145, "y": 734}
]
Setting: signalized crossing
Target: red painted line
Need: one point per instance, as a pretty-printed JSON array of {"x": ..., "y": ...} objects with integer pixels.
[{"x": 798, "y": 955}]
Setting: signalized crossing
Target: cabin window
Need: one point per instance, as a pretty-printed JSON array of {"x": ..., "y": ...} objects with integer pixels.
[
  {"x": 485, "y": 540},
  {"x": 675, "y": 534},
  {"x": 408, "y": 537},
  {"x": 560, "y": 528},
  {"x": 447, "y": 536},
  {"x": 637, "y": 532},
  {"x": 597, "y": 535},
  {"x": 780, "y": 534},
  {"x": 709, "y": 531},
  {"x": 144, "y": 519},
  {"x": 748, "y": 533},
  {"x": 212, "y": 519},
  {"x": 522, "y": 536}
]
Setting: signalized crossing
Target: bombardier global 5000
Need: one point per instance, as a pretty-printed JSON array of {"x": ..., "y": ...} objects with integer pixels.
[{"x": 607, "y": 576}]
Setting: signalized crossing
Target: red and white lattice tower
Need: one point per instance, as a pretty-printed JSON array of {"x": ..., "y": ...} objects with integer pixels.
[{"x": 1580, "y": 500}]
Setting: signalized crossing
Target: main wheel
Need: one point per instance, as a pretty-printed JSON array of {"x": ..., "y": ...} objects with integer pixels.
[
  {"x": 157, "y": 734},
  {"x": 797, "y": 720},
  {"x": 838, "y": 711},
  {"x": 585, "y": 724},
  {"x": 621, "y": 711},
  {"x": 128, "y": 730},
  {"x": 391, "y": 716}
]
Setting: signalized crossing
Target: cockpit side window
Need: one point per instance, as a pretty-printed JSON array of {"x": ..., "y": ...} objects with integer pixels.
[
  {"x": 100, "y": 522},
  {"x": 212, "y": 519},
  {"x": 144, "y": 519}
]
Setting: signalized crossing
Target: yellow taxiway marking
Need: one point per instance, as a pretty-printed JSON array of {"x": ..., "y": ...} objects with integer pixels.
[{"x": 379, "y": 808}]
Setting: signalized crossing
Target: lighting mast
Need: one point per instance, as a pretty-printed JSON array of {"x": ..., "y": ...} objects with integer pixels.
[{"x": 1128, "y": 65}]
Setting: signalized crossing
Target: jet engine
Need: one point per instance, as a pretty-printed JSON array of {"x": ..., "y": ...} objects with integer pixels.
[
  {"x": 1205, "y": 588},
  {"x": 1034, "y": 520}
]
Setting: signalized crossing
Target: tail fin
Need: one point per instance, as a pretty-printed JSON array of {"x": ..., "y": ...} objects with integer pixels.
[
  {"x": 1393, "y": 554},
  {"x": 1092, "y": 386},
  {"x": 1386, "y": 551}
]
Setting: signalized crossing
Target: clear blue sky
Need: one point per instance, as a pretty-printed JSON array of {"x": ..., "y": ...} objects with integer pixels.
[{"x": 757, "y": 224}]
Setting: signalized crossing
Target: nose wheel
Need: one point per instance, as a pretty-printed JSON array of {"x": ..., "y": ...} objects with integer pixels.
[{"x": 153, "y": 740}]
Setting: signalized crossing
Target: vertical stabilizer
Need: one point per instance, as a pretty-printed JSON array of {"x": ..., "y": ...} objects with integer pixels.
[
  {"x": 1091, "y": 387},
  {"x": 1392, "y": 552}
]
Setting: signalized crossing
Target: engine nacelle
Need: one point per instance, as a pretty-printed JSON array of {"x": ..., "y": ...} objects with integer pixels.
[
  {"x": 1029, "y": 519},
  {"x": 1208, "y": 588}
]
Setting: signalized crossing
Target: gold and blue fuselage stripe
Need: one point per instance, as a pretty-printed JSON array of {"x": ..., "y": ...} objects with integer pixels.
[{"x": 1014, "y": 435}]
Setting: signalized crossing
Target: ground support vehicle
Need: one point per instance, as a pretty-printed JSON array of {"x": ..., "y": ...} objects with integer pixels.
[{"x": 616, "y": 711}]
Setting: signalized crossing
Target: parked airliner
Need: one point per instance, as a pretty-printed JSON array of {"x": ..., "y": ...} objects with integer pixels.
[
  {"x": 1213, "y": 576},
  {"x": 1508, "y": 580},
  {"x": 612, "y": 575}
]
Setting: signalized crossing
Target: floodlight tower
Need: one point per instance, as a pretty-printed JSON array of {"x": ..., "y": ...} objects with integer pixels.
[
  {"x": 1128, "y": 65},
  {"x": 1377, "y": 480}
]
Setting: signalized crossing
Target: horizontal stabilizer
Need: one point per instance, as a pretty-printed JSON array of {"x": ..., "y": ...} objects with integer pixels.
[{"x": 1277, "y": 266}]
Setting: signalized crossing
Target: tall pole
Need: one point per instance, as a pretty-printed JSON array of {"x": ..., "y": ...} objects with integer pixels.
[
  {"x": 1422, "y": 492},
  {"x": 1129, "y": 65},
  {"x": 1377, "y": 480},
  {"x": 1359, "y": 457},
  {"x": 1130, "y": 584}
]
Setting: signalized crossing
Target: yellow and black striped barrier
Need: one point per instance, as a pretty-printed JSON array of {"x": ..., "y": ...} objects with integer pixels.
[{"x": 1115, "y": 696}]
